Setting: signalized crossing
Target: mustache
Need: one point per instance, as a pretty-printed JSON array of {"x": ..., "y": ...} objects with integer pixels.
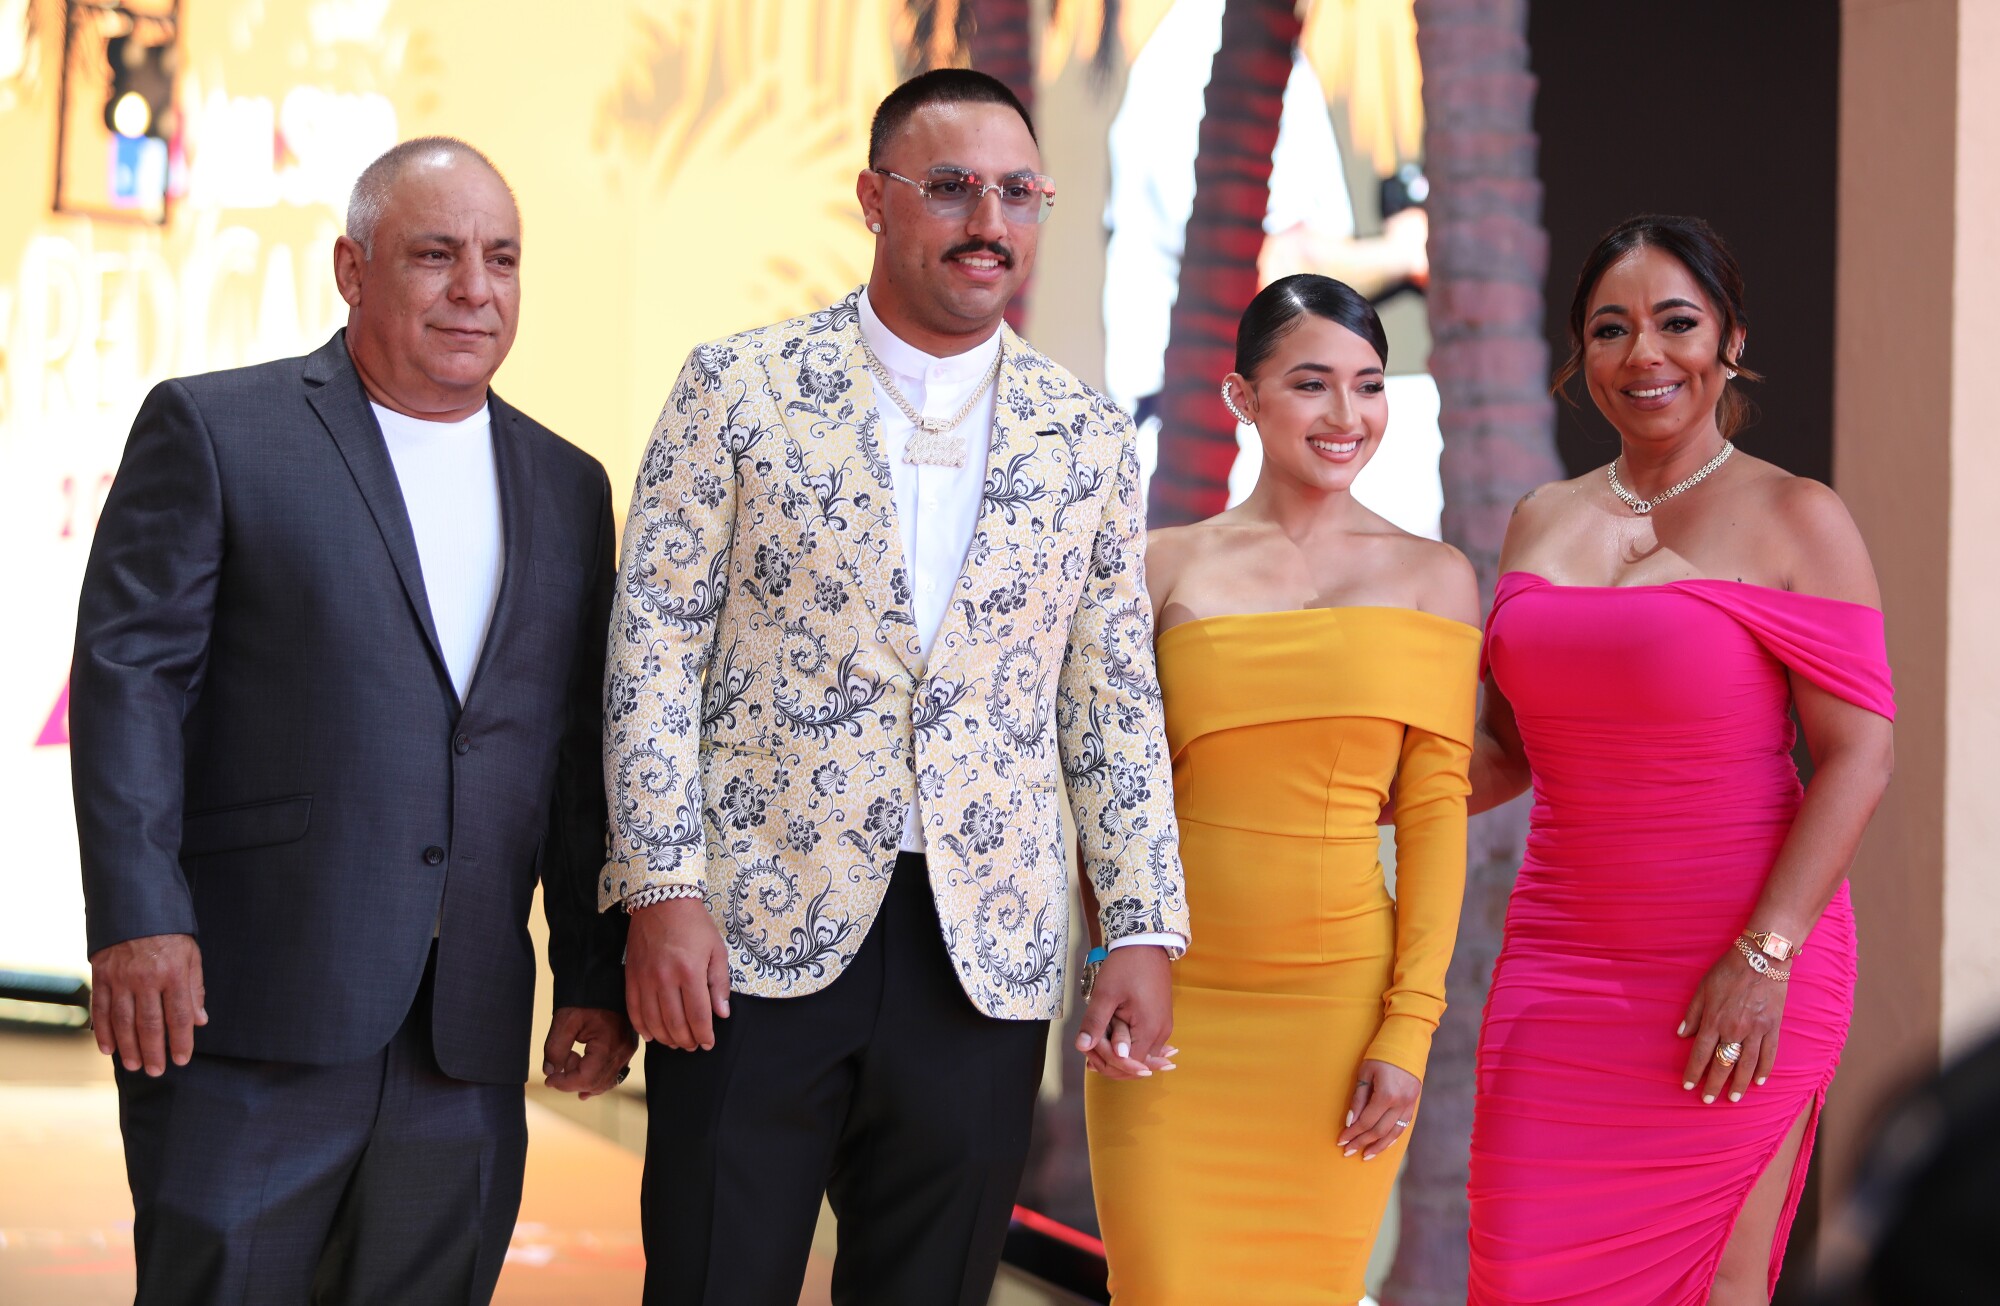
[{"x": 993, "y": 247}]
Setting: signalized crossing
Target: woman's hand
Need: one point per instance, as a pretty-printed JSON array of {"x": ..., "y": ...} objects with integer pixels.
[
  {"x": 1733, "y": 1004},
  {"x": 1380, "y": 1110}
]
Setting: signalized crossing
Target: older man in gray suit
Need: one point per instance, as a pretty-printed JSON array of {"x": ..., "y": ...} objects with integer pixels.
[{"x": 336, "y": 708}]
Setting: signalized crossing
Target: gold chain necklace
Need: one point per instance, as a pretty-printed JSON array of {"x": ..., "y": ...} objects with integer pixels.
[
  {"x": 936, "y": 442},
  {"x": 1644, "y": 506}
]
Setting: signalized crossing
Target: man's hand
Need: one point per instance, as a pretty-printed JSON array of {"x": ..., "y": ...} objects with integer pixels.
[
  {"x": 1125, "y": 1027},
  {"x": 608, "y": 1044},
  {"x": 146, "y": 997},
  {"x": 676, "y": 974}
]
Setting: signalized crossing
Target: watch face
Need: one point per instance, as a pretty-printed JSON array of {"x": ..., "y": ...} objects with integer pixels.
[{"x": 1777, "y": 946}]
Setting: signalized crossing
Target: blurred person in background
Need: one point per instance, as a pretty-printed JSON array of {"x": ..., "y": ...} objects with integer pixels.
[
  {"x": 1921, "y": 1223},
  {"x": 1309, "y": 226}
]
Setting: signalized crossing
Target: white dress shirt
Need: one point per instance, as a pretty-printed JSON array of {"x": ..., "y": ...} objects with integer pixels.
[
  {"x": 937, "y": 508},
  {"x": 451, "y": 490}
]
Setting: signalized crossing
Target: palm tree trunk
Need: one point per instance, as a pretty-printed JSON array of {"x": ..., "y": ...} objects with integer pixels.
[
  {"x": 1002, "y": 45},
  {"x": 1225, "y": 232},
  {"x": 1488, "y": 257}
]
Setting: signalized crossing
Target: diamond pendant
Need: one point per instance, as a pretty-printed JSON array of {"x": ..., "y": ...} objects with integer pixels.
[
  {"x": 931, "y": 445},
  {"x": 1641, "y": 506}
]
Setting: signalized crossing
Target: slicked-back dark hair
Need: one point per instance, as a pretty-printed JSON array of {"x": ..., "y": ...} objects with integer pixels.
[
  {"x": 1696, "y": 247},
  {"x": 938, "y": 86},
  {"x": 1276, "y": 311}
]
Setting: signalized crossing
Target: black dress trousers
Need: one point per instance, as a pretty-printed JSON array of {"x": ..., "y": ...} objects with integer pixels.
[
  {"x": 377, "y": 1182},
  {"x": 888, "y": 1091}
]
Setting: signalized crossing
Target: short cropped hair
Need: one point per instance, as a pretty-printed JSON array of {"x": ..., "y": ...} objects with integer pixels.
[
  {"x": 370, "y": 196},
  {"x": 939, "y": 86}
]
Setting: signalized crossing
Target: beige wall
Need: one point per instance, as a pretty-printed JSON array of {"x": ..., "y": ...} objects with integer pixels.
[
  {"x": 1917, "y": 346},
  {"x": 1972, "y": 723}
]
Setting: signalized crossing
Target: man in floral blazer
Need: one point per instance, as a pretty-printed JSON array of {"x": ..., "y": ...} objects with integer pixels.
[{"x": 881, "y": 606}]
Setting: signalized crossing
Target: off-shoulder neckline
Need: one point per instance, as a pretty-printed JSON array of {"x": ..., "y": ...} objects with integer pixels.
[
  {"x": 1546, "y": 583},
  {"x": 1339, "y": 608}
]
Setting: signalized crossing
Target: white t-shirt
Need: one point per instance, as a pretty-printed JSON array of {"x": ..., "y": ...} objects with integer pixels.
[{"x": 451, "y": 490}]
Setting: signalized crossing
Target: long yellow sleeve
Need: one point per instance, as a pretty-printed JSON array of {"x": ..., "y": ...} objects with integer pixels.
[{"x": 1431, "y": 789}]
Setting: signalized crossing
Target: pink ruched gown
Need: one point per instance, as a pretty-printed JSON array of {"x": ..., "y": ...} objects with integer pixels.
[{"x": 1657, "y": 726}]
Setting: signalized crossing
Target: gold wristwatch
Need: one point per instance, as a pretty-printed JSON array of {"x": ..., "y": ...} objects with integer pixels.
[{"x": 1773, "y": 945}]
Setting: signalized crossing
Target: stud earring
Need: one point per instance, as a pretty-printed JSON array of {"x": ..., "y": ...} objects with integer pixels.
[
  {"x": 875, "y": 227},
  {"x": 1729, "y": 372},
  {"x": 1229, "y": 402}
]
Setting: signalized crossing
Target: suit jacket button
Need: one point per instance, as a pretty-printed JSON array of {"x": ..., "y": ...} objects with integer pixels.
[
  {"x": 462, "y": 745},
  {"x": 433, "y": 856}
]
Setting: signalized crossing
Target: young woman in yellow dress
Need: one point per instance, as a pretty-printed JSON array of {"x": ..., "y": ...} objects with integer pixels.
[{"x": 1314, "y": 659}]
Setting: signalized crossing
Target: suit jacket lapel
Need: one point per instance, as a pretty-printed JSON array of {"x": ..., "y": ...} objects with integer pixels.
[
  {"x": 832, "y": 416},
  {"x": 335, "y": 392},
  {"x": 514, "y": 462}
]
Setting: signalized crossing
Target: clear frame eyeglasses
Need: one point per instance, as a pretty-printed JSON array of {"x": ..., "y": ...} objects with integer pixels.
[{"x": 955, "y": 192}]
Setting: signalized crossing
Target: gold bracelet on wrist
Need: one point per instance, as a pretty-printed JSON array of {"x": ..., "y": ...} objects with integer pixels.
[{"x": 1760, "y": 963}]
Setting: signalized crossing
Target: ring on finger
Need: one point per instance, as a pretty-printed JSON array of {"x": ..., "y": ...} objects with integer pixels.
[
  {"x": 1402, "y": 1124},
  {"x": 1729, "y": 1053}
]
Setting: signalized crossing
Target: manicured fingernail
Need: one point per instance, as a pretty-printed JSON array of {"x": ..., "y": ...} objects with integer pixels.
[
  {"x": 1170, "y": 1052},
  {"x": 1708, "y": 1097},
  {"x": 1682, "y": 1030},
  {"x": 1766, "y": 1079},
  {"x": 1369, "y": 1157},
  {"x": 1124, "y": 1049},
  {"x": 1085, "y": 1042},
  {"x": 1736, "y": 1097},
  {"x": 1689, "y": 1084},
  {"x": 1350, "y": 1120},
  {"x": 1349, "y": 1152},
  {"x": 1168, "y": 1065},
  {"x": 1145, "y": 1073},
  {"x": 722, "y": 1009}
]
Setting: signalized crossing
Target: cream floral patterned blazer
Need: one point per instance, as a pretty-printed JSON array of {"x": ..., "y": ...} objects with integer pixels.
[{"x": 769, "y": 714}]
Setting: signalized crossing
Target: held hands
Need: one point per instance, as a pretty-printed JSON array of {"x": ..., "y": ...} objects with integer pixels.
[
  {"x": 608, "y": 1044},
  {"x": 1733, "y": 1004},
  {"x": 1125, "y": 1027},
  {"x": 676, "y": 974},
  {"x": 146, "y": 997},
  {"x": 1379, "y": 1112}
]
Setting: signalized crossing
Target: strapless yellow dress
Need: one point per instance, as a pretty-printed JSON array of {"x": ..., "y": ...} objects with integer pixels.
[{"x": 1220, "y": 1182}]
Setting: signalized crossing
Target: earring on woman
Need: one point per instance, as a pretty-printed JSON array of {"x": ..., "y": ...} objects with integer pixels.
[
  {"x": 875, "y": 227},
  {"x": 1229, "y": 402}
]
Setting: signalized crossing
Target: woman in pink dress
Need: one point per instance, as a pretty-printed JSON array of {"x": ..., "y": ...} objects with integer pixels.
[{"x": 1678, "y": 970}]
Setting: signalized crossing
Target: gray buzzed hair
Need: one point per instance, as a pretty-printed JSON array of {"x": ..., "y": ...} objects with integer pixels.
[{"x": 370, "y": 196}]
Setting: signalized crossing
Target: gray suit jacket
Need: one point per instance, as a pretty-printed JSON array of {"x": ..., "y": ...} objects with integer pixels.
[{"x": 267, "y": 750}]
